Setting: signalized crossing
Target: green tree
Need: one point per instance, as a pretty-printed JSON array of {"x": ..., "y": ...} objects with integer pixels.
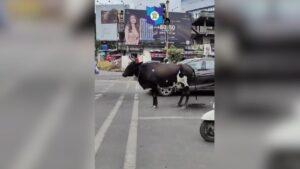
[{"x": 175, "y": 54}]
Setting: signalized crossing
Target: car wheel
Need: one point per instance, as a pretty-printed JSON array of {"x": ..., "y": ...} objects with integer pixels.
[
  {"x": 207, "y": 131},
  {"x": 165, "y": 91}
]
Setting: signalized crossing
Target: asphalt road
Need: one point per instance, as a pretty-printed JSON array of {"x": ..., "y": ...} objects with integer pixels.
[
  {"x": 130, "y": 134},
  {"x": 46, "y": 107}
]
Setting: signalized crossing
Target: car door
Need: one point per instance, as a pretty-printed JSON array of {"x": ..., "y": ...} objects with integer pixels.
[
  {"x": 196, "y": 65},
  {"x": 209, "y": 71},
  {"x": 205, "y": 73}
]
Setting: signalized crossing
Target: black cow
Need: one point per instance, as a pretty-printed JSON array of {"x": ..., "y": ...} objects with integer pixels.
[{"x": 154, "y": 74}]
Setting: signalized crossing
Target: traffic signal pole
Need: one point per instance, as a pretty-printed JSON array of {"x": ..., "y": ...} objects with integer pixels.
[{"x": 167, "y": 28}]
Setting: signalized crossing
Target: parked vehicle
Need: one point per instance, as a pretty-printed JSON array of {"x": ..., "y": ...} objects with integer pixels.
[
  {"x": 205, "y": 76},
  {"x": 112, "y": 56},
  {"x": 158, "y": 55},
  {"x": 207, "y": 127}
]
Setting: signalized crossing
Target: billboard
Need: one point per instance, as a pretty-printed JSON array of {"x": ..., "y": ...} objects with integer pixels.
[
  {"x": 138, "y": 31},
  {"x": 109, "y": 17},
  {"x": 107, "y": 22}
]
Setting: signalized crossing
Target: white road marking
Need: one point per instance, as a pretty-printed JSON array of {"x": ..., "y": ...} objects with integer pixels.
[
  {"x": 97, "y": 96},
  {"x": 106, "y": 124},
  {"x": 103, "y": 129},
  {"x": 170, "y": 118},
  {"x": 131, "y": 148}
]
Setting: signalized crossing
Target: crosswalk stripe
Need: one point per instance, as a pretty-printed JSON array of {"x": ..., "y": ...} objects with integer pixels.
[
  {"x": 131, "y": 148},
  {"x": 103, "y": 129}
]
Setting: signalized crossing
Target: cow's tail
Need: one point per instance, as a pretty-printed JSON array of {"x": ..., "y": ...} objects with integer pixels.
[{"x": 195, "y": 78}]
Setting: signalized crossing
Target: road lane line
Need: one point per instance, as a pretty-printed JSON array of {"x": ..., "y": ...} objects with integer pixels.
[
  {"x": 103, "y": 129},
  {"x": 131, "y": 148},
  {"x": 106, "y": 124},
  {"x": 97, "y": 96},
  {"x": 170, "y": 118}
]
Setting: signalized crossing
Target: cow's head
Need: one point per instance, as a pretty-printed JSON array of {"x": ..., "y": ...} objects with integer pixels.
[{"x": 132, "y": 69}]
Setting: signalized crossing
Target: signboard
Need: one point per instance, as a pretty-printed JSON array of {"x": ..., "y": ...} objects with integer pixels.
[
  {"x": 207, "y": 50},
  {"x": 138, "y": 31},
  {"x": 154, "y": 15},
  {"x": 107, "y": 22}
]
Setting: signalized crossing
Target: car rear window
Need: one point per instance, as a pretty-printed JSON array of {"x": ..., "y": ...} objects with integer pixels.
[
  {"x": 210, "y": 64},
  {"x": 196, "y": 65}
]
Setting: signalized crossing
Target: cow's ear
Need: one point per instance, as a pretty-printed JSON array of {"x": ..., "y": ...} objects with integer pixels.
[{"x": 136, "y": 60}]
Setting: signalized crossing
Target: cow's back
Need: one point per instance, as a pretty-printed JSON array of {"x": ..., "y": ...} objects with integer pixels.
[{"x": 153, "y": 74}]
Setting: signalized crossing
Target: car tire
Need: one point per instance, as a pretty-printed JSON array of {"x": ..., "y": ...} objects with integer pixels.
[
  {"x": 165, "y": 91},
  {"x": 205, "y": 131}
]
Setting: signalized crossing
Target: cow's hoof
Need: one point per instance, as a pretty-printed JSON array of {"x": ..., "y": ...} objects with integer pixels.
[
  {"x": 155, "y": 107},
  {"x": 179, "y": 105},
  {"x": 183, "y": 107}
]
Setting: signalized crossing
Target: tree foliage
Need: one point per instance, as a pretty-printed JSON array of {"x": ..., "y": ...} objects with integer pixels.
[{"x": 175, "y": 54}]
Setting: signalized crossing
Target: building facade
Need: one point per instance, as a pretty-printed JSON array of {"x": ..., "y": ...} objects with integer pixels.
[{"x": 203, "y": 20}]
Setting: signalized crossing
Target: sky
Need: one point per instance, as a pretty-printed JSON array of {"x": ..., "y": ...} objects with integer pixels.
[
  {"x": 193, "y": 4},
  {"x": 175, "y": 5}
]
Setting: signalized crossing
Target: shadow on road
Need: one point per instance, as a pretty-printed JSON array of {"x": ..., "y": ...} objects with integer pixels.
[{"x": 199, "y": 106}]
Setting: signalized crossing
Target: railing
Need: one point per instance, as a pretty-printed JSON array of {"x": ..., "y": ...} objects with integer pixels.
[{"x": 204, "y": 29}]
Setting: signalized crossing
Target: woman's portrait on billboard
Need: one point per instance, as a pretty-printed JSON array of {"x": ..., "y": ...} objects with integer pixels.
[{"x": 132, "y": 34}]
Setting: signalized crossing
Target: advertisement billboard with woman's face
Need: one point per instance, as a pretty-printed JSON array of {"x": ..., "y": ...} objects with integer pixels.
[
  {"x": 132, "y": 30},
  {"x": 138, "y": 31}
]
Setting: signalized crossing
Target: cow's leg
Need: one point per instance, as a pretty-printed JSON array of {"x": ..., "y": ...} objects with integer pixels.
[
  {"x": 187, "y": 95},
  {"x": 154, "y": 96},
  {"x": 181, "y": 98}
]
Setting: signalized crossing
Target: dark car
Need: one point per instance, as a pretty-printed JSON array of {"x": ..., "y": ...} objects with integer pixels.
[{"x": 205, "y": 75}]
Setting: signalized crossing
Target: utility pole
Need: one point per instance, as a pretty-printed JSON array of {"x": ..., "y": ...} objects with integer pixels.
[{"x": 167, "y": 23}]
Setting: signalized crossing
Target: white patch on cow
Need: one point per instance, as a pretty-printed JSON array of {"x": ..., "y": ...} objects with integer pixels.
[
  {"x": 153, "y": 70},
  {"x": 167, "y": 81},
  {"x": 181, "y": 81}
]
